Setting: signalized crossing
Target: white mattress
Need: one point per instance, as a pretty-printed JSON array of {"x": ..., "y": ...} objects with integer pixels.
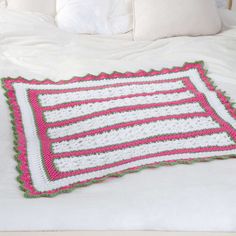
[{"x": 197, "y": 197}]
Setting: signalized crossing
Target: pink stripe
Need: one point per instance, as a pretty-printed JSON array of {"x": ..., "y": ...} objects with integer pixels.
[
  {"x": 119, "y": 110},
  {"x": 138, "y": 143},
  {"x": 228, "y": 106},
  {"x": 130, "y": 124}
]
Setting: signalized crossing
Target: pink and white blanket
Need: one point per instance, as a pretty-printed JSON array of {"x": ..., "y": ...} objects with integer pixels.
[{"x": 78, "y": 132}]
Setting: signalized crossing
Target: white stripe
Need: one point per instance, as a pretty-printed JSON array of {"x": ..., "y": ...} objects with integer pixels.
[
  {"x": 83, "y": 162},
  {"x": 117, "y": 118},
  {"x": 86, "y": 109},
  {"x": 135, "y": 133},
  {"x": 67, "y": 97}
]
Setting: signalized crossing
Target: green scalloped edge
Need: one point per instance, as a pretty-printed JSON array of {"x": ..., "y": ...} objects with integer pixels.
[{"x": 75, "y": 186}]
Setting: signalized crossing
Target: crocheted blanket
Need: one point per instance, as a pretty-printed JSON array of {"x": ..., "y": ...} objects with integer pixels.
[{"x": 78, "y": 132}]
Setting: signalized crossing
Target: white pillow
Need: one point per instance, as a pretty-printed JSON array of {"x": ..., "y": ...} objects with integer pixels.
[
  {"x": 3, "y": 3},
  {"x": 155, "y": 19},
  {"x": 47, "y": 7},
  {"x": 94, "y": 16}
]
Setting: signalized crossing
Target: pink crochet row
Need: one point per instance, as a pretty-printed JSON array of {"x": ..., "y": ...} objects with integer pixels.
[{"x": 81, "y": 131}]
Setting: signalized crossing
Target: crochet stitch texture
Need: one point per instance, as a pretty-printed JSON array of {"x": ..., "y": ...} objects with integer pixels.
[{"x": 77, "y": 132}]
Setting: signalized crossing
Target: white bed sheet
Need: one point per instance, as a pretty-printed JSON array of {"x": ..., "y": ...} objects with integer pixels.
[{"x": 198, "y": 197}]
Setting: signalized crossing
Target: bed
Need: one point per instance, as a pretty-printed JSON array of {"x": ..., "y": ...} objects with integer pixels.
[{"x": 32, "y": 47}]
